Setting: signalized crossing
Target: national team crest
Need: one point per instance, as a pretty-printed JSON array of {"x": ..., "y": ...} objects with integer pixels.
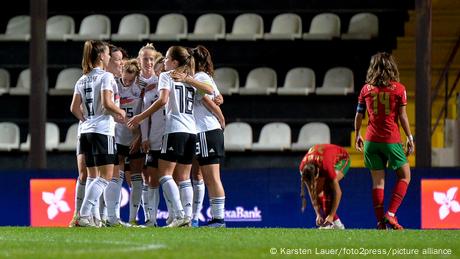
[{"x": 51, "y": 202}]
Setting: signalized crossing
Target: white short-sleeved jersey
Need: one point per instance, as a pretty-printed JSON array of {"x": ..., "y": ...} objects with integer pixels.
[
  {"x": 204, "y": 118},
  {"x": 131, "y": 102},
  {"x": 143, "y": 82},
  {"x": 90, "y": 87},
  {"x": 153, "y": 128},
  {"x": 179, "y": 110}
]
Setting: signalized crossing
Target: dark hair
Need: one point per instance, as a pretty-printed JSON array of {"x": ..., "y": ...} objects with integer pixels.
[
  {"x": 203, "y": 60},
  {"x": 382, "y": 70},
  {"x": 184, "y": 59},
  {"x": 114, "y": 48},
  {"x": 309, "y": 179},
  {"x": 91, "y": 51}
]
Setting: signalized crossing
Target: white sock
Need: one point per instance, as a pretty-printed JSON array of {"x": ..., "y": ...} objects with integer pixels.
[
  {"x": 186, "y": 196},
  {"x": 102, "y": 207},
  {"x": 111, "y": 197},
  {"x": 172, "y": 193},
  {"x": 198, "y": 197},
  {"x": 169, "y": 206},
  {"x": 95, "y": 208},
  {"x": 145, "y": 201},
  {"x": 154, "y": 201},
  {"x": 135, "y": 197},
  {"x": 217, "y": 207},
  {"x": 93, "y": 192},
  {"x": 79, "y": 195},
  {"x": 120, "y": 185}
]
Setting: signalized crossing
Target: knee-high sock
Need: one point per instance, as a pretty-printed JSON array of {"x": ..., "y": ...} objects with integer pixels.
[
  {"x": 93, "y": 192},
  {"x": 172, "y": 193},
  {"x": 377, "y": 201},
  {"x": 198, "y": 197},
  {"x": 111, "y": 197},
  {"x": 145, "y": 201},
  {"x": 328, "y": 203},
  {"x": 120, "y": 184},
  {"x": 186, "y": 196},
  {"x": 79, "y": 195},
  {"x": 103, "y": 207},
  {"x": 398, "y": 195},
  {"x": 217, "y": 207},
  {"x": 154, "y": 201},
  {"x": 135, "y": 197},
  {"x": 171, "y": 213}
]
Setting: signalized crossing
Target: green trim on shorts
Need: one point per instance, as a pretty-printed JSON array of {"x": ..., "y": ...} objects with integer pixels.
[
  {"x": 378, "y": 156},
  {"x": 343, "y": 166}
]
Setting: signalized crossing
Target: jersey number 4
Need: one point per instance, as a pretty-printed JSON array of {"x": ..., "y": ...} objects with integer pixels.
[{"x": 382, "y": 98}]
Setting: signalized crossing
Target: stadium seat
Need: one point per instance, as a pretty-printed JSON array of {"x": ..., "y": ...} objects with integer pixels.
[
  {"x": 65, "y": 82},
  {"x": 4, "y": 81},
  {"x": 17, "y": 29},
  {"x": 362, "y": 26},
  {"x": 70, "y": 142},
  {"x": 238, "y": 136},
  {"x": 133, "y": 27},
  {"x": 337, "y": 81},
  {"x": 310, "y": 134},
  {"x": 227, "y": 80},
  {"x": 58, "y": 26},
  {"x": 286, "y": 26},
  {"x": 275, "y": 136},
  {"x": 260, "y": 81},
  {"x": 324, "y": 26},
  {"x": 51, "y": 139},
  {"x": 298, "y": 81},
  {"x": 92, "y": 27},
  {"x": 23, "y": 84},
  {"x": 170, "y": 27},
  {"x": 248, "y": 26},
  {"x": 210, "y": 26},
  {"x": 9, "y": 136}
]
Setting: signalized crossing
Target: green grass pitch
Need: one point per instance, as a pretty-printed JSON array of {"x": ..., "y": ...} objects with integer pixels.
[{"x": 26, "y": 242}]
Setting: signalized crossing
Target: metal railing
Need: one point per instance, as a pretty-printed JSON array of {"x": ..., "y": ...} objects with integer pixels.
[{"x": 447, "y": 91}]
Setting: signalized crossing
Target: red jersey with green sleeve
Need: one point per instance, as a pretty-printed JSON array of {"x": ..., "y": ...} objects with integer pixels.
[
  {"x": 324, "y": 157},
  {"x": 382, "y": 104}
]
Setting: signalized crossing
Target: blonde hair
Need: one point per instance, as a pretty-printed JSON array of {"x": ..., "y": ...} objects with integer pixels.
[
  {"x": 148, "y": 46},
  {"x": 132, "y": 66},
  {"x": 382, "y": 70},
  {"x": 91, "y": 52}
]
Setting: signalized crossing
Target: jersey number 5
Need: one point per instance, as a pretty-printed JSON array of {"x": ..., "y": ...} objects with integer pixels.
[{"x": 383, "y": 98}]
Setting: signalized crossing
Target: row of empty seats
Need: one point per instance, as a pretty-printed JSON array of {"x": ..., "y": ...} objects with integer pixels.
[
  {"x": 210, "y": 26},
  {"x": 275, "y": 136},
  {"x": 10, "y": 138},
  {"x": 260, "y": 81}
]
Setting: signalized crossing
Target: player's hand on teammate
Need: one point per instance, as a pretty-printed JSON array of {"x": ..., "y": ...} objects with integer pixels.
[
  {"x": 179, "y": 76},
  {"x": 120, "y": 117},
  {"x": 218, "y": 100},
  {"x": 134, "y": 122},
  {"x": 359, "y": 144}
]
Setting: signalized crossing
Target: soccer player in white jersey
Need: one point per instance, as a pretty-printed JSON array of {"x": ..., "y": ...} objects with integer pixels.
[
  {"x": 139, "y": 183},
  {"x": 127, "y": 140},
  {"x": 95, "y": 91},
  {"x": 152, "y": 130},
  {"x": 210, "y": 123},
  {"x": 180, "y": 132}
]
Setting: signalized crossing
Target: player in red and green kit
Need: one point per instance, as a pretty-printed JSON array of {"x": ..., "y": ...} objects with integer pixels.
[
  {"x": 321, "y": 169},
  {"x": 385, "y": 100}
]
